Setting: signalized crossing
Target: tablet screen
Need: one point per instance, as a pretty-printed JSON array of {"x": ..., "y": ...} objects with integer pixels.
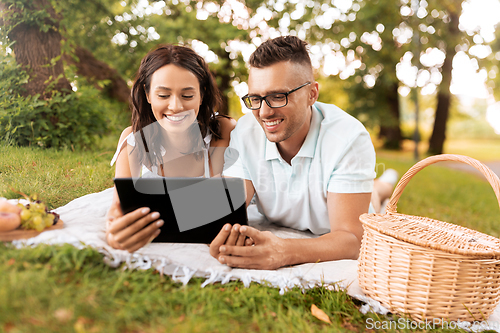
[{"x": 194, "y": 209}]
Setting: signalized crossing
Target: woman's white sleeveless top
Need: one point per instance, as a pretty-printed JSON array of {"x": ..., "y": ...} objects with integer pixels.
[{"x": 146, "y": 173}]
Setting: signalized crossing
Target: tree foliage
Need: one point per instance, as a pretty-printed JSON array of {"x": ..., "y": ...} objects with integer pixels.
[
  {"x": 122, "y": 32},
  {"x": 33, "y": 27},
  {"x": 378, "y": 38},
  {"x": 37, "y": 104},
  {"x": 375, "y": 40},
  {"x": 69, "y": 120}
]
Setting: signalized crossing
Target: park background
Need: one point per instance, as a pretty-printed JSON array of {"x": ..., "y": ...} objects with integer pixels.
[{"x": 66, "y": 69}]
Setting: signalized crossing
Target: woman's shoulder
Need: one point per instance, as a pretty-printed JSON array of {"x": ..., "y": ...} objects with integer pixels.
[
  {"x": 226, "y": 124},
  {"x": 126, "y": 136},
  {"x": 126, "y": 132},
  {"x": 121, "y": 142}
]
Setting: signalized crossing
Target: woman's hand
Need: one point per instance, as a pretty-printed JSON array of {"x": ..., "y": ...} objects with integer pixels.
[{"x": 129, "y": 232}]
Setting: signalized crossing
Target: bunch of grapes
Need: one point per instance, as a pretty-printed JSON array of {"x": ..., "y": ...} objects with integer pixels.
[{"x": 36, "y": 215}]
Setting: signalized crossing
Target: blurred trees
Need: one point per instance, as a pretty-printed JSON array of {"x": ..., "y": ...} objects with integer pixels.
[
  {"x": 120, "y": 33},
  {"x": 492, "y": 64},
  {"x": 37, "y": 104},
  {"x": 374, "y": 49},
  {"x": 106, "y": 39},
  {"x": 369, "y": 45},
  {"x": 447, "y": 39},
  {"x": 376, "y": 41}
]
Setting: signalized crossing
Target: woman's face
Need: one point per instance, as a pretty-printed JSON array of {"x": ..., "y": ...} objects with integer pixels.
[{"x": 175, "y": 97}]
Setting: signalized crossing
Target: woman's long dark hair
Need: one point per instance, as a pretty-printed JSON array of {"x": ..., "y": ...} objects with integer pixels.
[{"x": 142, "y": 114}]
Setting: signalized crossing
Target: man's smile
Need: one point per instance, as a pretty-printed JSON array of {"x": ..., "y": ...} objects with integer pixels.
[{"x": 272, "y": 124}]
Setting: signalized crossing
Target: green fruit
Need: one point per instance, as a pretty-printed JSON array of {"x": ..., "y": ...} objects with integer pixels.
[
  {"x": 35, "y": 215},
  {"x": 25, "y": 214},
  {"x": 37, "y": 220}
]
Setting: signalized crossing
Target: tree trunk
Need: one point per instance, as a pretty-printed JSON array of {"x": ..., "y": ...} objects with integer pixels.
[
  {"x": 438, "y": 137},
  {"x": 34, "y": 50},
  {"x": 390, "y": 130},
  {"x": 95, "y": 70}
]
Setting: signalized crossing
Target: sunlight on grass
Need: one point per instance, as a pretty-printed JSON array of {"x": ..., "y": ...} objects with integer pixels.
[{"x": 483, "y": 150}]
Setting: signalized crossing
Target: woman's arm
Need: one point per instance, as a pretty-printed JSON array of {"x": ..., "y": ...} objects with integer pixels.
[{"x": 129, "y": 232}]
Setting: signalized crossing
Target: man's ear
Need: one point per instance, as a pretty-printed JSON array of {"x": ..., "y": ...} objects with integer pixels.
[{"x": 313, "y": 93}]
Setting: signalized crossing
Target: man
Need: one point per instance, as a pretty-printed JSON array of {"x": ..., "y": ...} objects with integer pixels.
[{"x": 310, "y": 165}]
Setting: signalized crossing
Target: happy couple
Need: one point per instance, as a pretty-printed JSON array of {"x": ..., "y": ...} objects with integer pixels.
[{"x": 310, "y": 165}]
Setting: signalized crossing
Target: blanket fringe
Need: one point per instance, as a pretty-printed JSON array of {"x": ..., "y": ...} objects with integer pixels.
[
  {"x": 184, "y": 274},
  {"x": 188, "y": 274}
]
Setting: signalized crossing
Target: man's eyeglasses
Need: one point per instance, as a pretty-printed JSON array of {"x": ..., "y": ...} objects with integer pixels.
[{"x": 277, "y": 100}]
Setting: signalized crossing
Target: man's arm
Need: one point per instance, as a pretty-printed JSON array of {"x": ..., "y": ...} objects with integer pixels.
[{"x": 271, "y": 252}]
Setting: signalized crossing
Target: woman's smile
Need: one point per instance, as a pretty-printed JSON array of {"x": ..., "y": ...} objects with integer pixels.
[{"x": 177, "y": 117}]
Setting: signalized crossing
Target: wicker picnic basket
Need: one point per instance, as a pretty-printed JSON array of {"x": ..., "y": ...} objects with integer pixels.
[{"x": 427, "y": 268}]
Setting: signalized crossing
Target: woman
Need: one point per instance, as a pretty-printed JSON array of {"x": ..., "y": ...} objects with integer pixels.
[{"x": 175, "y": 132}]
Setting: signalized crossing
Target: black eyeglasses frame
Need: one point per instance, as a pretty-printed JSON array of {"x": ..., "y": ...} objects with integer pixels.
[{"x": 247, "y": 102}]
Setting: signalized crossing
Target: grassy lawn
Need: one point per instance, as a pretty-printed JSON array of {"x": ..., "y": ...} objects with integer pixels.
[
  {"x": 62, "y": 289},
  {"x": 56, "y": 176}
]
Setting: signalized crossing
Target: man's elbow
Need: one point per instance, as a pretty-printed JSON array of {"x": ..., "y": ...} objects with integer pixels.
[
  {"x": 354, "y": 248},
  {"x": 349, "y": 245}
]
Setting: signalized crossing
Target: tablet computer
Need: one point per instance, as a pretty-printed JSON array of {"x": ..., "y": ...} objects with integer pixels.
[{"x": 194, "y": 210}]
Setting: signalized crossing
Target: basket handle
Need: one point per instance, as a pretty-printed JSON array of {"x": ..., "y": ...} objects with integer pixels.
[{"x": 490, "y": 176}]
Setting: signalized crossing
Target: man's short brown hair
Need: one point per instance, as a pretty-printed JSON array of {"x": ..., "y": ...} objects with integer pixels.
[{"x": 285, "y": 48}]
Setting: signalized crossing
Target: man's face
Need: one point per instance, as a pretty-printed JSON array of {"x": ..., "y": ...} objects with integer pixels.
[{"x": 291, "y": 121}]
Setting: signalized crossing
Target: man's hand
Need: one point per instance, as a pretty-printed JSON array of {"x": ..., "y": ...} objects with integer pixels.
[
  {"x": 229, "y": 235},
  {"x": 129, "y": 232},
  {"x": 268, "y": 251}
]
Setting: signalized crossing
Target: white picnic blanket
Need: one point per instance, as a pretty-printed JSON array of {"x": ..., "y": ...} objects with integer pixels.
[{"x": 84, "y": 225}]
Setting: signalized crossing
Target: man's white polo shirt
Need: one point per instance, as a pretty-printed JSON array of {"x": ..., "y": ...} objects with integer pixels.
[{"x": 336, "y": 156}]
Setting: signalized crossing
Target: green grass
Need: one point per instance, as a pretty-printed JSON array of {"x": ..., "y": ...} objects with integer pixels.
[
  {"x": 56, "y": 176},
  {"x": 62, "y": 289},
  {"x": 58, "y": 288}
]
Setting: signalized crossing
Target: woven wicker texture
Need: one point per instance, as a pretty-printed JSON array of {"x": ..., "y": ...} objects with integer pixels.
[{"x": 427, "y": 268}]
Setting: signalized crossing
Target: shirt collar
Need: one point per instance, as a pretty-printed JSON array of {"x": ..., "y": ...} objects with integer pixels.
[{"x": 308, "y": 147}]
